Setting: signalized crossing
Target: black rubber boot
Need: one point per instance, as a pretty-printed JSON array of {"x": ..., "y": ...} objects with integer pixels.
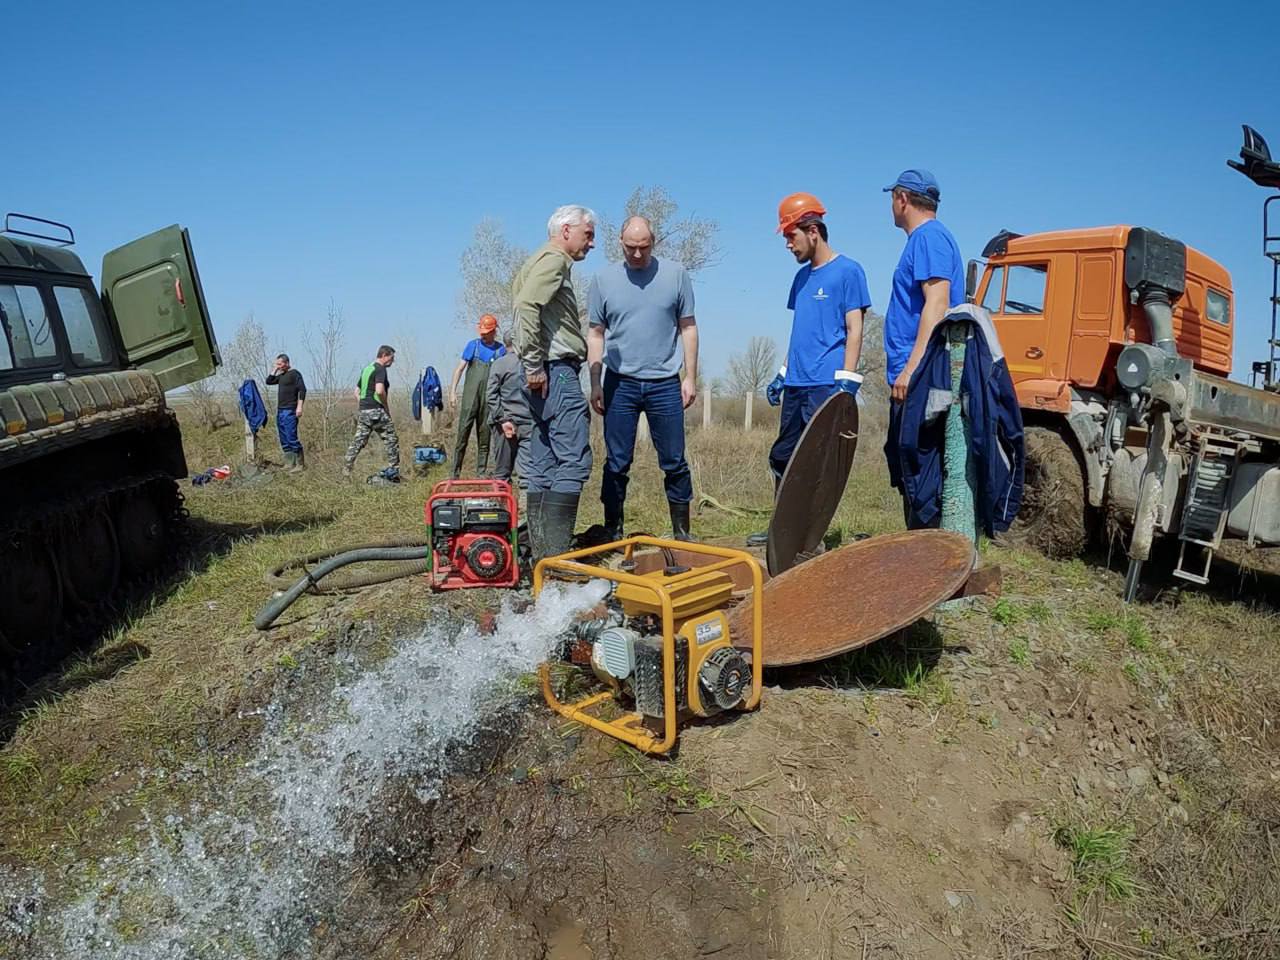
[
  {"x": 679, "y": 521},
  {"x": 533, "y": 522},
  {"x": 613, "y": 521},
  {"x": 559, "y": 514}
]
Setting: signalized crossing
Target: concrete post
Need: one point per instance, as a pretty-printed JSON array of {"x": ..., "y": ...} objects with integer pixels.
[
  {"x": 706, "y": 407},
  {"x": 250, "y": 443},
  {"x": 747, "y": 418},
  {"x": 642, "y": 429}
]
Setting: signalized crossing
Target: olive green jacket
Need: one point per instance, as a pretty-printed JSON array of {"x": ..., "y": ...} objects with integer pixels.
[{"x": 547, "y": 323}]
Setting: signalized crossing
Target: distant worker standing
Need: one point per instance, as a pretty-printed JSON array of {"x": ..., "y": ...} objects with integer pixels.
[
  {"x": 372, "y": 416},
  {"x": 509, "y": 416},
  {"x": 477, "y": 355},
  {"x": 289, "y": 398},
  {"x": 828, "y": 299},
  {"x": 928, "y": 281},
  {"x": 549, "y": 340},
  {"x": 642, "y": 332}
]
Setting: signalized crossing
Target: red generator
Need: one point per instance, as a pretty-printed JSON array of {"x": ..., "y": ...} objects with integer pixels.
[{"x": 471, "y": 525}]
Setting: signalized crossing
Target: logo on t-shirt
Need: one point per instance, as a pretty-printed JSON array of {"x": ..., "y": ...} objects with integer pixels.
[{"x": 820, "y": 295}]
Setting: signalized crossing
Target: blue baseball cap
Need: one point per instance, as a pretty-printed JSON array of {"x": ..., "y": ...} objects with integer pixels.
[{"x": 917, "y": 181}]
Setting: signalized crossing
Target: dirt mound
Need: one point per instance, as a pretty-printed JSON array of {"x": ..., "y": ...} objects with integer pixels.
[
  {"x": 1053, "y": 518},
  {"x": 570, "y": 853}
]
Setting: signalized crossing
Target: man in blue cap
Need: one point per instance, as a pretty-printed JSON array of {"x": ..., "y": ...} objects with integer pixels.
[{"x": 928, "y": 281}]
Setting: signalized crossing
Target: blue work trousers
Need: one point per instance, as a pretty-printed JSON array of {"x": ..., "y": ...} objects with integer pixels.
[
  {"x": 287, "y": 428},
  {"x": 799, "y": 404},
  {"x": 559, "y": 447},
  {"x": 625, "y": 398}
]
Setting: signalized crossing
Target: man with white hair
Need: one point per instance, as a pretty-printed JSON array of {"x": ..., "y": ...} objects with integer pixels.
[{"x": 549, "y": 341}]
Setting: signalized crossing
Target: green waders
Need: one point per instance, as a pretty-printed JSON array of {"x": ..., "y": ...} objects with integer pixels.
[{"x": 475, "y": 410}]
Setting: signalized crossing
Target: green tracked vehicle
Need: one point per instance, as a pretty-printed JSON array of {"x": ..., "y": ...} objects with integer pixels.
[{"x": 90, "y": 453}]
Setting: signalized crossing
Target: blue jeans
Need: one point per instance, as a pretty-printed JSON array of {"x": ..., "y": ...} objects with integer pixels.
[
  {"x": 559, "y": 447},
  {"x": 625, "y": 398},
  {"x": 287, "y": 428},
  {"x": 799, "y": 404}
]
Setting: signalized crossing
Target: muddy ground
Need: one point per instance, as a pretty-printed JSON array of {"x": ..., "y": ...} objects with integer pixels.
[
  {"x": 1014, "y": 780},
  {"x": 1047, "y": 774}
]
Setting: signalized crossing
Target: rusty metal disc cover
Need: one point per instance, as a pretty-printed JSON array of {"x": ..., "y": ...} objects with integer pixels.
[
  {"x": 813, "y": 482},
  {"x": 857, "y": 594}
]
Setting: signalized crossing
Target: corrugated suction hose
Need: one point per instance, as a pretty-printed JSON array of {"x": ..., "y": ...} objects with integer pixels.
[{"x": 396, "y": 558}]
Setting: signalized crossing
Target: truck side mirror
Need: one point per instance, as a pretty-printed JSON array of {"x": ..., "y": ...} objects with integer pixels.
[{"x": 971, "y": 281}]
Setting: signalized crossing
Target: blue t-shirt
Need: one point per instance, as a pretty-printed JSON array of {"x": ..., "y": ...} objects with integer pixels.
[
  {"x": 477, "y": 349},
  {"x": 820, "y": 299},
  {"x": 931, "y": 253}
]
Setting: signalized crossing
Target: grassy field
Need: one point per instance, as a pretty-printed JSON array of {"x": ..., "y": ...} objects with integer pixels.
[{"x": 1132, "y": 751}]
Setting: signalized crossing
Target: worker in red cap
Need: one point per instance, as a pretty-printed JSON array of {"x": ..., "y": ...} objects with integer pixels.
[
  {"x": 828, "y": 299},
  {"x": 477, "y": 355}
]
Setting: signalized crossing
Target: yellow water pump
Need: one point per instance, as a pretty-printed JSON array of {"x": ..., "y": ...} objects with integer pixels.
[{"x": 663, "y": 643}]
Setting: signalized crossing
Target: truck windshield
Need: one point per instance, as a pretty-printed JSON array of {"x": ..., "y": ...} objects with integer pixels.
[
  {"x": 995, "y": 287},
  {"x": 28, "y": 335},
  {"x": 1025, "y": 291},
  {"x": 83, "y": 320}
]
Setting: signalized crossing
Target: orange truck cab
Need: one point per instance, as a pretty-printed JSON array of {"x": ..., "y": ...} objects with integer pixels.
[
  {"x": 1119, "y": 341},
  {"x": 1064, "y": 311}
]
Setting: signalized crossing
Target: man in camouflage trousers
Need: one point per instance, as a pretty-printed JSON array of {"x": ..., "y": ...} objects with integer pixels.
[{"x": 373, "y": 417}]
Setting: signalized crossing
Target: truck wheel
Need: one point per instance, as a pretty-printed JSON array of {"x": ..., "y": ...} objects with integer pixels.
[
  {"x": 1054, "y": 515},
  {"x": 90, "y": 559},
  {"x": 30, "y": 596},
  {"x": 140, "y": 528}
]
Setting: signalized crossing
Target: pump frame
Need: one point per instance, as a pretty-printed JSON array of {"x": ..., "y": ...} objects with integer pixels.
[{"x": 629, "y": 727}]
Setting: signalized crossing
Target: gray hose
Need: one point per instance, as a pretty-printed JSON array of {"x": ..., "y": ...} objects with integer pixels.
[
  {"x": 277, "y": 605},
  {"x": 284, "y": 575}
]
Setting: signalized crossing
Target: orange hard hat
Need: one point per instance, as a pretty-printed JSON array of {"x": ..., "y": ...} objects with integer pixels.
[
  {"x": 488, "y": 323},
  {"x": 796, "y": 207}
]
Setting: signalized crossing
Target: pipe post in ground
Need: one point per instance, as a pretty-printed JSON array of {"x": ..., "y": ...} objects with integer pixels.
[{"x": 959, "y": 475}]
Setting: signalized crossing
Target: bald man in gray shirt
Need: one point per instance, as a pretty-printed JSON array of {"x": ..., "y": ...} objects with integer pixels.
[{"x": 642, "y": 333}]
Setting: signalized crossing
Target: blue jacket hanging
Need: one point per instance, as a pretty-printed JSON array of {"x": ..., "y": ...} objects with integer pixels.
[
  {"x": 427, "y": 393},
  {"x": 917, "y": 431},
  {"x": 251, "y": 405},
  {"x": 432, "y": 392}
]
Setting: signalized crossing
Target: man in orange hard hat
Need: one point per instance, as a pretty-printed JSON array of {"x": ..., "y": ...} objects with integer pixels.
[
  {"x": 476, "y": 357},
  {"x": 828, "y": 299}
]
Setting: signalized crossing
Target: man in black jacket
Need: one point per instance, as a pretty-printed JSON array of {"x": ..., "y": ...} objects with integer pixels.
[{"x": 289, "y": 398}]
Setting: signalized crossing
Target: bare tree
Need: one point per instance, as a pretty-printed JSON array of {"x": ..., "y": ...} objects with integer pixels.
[
  {"x": 324, "y": 345},
  {"x": 247, "y": 357},
  {"x": 488, "y": 266},
  {"x": 207, "y": 404},
  {"x": 875, "y": 389},
  {"x": 688, "y": 240},
  {"x": 751, "y": 370},
  {"x": 409, "y": 364}
]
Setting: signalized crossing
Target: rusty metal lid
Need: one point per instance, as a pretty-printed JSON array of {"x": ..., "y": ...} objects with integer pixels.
[
  {"x": 813, "y": 482},
  {"x": 856, "y": 594}
]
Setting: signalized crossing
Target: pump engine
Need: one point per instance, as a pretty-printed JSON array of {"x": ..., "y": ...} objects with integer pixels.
[
  {"x": 472, "y": 528},
  {"x": 670, "y": 670}
]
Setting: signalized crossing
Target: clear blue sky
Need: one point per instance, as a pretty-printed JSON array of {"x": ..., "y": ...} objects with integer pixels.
[{"x": 321, "y": 150}]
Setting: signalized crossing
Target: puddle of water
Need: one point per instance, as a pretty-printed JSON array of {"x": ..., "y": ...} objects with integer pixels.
[
  {"x": 566, "y": 943},
  {"x": 264, "y": 859}
]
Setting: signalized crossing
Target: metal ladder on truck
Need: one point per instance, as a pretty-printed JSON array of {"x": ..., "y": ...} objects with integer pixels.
[
  {"x": 1255, "y": 163},
  {"x": 1204, "y": 514},
  {"x": 1271, "y": 250}
]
